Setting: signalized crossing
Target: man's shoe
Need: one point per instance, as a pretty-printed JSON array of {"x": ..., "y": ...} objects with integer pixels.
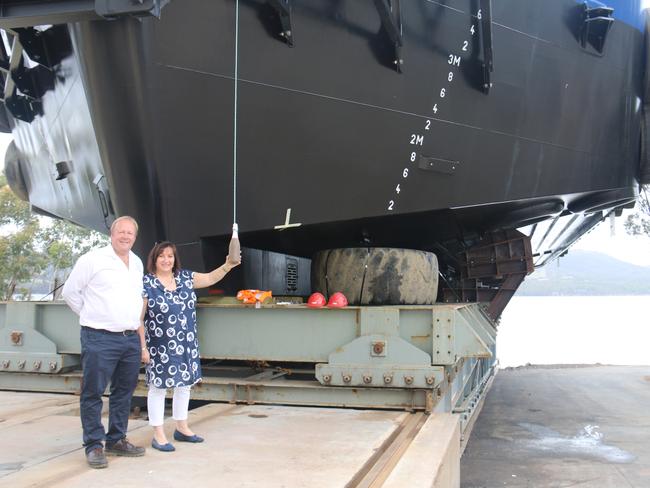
[
  {"x": 124, "y": 448},
  {"x": 180, "y": 437},
  {"x": 162, "y": 447},
  {"x": 96, "y": 458}
]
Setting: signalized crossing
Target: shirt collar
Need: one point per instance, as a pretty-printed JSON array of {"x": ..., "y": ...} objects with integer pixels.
[{"x": 108, "y": 250}]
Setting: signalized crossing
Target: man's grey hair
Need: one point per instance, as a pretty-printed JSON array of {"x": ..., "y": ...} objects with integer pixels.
[{"x": 124, "y": 217}]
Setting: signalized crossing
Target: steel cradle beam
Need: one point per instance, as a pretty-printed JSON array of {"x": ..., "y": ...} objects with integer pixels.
[
  {"x": 281, "y": 391},
  {"x": 230, "y": 390}
]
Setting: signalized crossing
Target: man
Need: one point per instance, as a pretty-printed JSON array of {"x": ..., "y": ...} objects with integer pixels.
[{"x": 105, "y": 290}]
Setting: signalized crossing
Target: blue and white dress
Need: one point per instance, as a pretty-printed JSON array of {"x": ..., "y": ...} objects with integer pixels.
[{"x": 170, "y": 331}]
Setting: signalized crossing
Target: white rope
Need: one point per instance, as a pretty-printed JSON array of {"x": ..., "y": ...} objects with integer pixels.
[{"x": 234, "y": 150}]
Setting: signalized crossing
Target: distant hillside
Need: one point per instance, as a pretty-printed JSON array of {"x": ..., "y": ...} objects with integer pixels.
[{"x": 588, "y": 273}]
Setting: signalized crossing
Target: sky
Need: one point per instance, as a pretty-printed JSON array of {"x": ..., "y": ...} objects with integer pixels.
[{"x": 635, "y": 250}]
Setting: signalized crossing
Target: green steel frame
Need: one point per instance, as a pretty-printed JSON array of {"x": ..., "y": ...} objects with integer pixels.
[{"x": 432, "y": 358}]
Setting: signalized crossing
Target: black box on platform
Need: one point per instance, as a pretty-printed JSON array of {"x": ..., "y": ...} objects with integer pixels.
[{"x": 283, "y": 274}]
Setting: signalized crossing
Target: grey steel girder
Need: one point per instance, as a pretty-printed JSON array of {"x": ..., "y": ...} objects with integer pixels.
[
  {"x": 397, "y": 346},
  {"x": 21, "y": 13},
  {"x": 431, "y": 358}
]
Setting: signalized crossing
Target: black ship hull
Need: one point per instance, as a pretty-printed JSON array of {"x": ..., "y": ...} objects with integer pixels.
[{"x": 415, "y": 124}]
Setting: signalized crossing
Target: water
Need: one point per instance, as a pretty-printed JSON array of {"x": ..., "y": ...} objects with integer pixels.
[
  {"x": 588, "y": 442},
  {"x": 575, "y": 330}
]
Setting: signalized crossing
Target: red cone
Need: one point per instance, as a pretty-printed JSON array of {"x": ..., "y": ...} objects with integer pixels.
[
  {"x": 337, "y": 300},
  {"x": 316, "y": 300}
]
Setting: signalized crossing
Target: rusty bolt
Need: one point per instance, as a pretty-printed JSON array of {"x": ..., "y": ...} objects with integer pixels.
[
  {"x": 16, "y": 337},
  {"x": 388, "y": 379},
  {"x": 430, "y": 380},
  {"x": 367, "y": 379},
  {"x": 6, "y": 363},
  {"x": 408, "y": 380},
  {"x": 21, "y": 364},
  {"x": 52, "y": 365},
  {"x": 347, "y": 378},
  {"x": 378, "y": 347},
  {"x": 327, "y": 378},
  {"x": 37, "y": 365}
]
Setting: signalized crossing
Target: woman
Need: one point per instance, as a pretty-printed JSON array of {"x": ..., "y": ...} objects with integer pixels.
[{"x": 172, "y": 351}]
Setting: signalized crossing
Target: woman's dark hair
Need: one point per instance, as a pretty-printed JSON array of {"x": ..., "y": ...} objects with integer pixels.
[{"x": 157, "y": 251}]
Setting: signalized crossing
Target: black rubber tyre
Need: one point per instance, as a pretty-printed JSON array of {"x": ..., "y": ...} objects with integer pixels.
[{"x": 377, "y": 275}]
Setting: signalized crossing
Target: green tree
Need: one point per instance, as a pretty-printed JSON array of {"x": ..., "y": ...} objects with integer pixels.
[
  {"x": 31, "y": 245},
  {"x": 19, "y": 257},
  {"x": 20, "y": 261},
  {"x": 639, "y": 222},
  {"x": 63, "y": 243}
]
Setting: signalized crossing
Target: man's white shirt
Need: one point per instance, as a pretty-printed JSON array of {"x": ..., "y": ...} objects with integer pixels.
[{"x": 104, "y": 292}]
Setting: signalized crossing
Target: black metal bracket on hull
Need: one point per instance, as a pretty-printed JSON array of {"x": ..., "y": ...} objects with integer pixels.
[
  {"x": 14, "y": 76},
  {"x": 391, "y": 21},
  {"x": 596, "y": 22},
  {"x": 283, "y": 9},
  {"x": 438, "y": 165},
  {"x": 389, "y": 13},
  {"x": 24, "y": 108},
  {"x": 33, "y": 82},
  {"x": 18, "y": 13},
  {"x": 485, "y": 35},
  {"x": 45, "y": 47},
  {"x": 25, "y": 84}
]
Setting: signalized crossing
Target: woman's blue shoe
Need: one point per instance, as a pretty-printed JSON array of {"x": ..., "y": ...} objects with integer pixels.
[
  {"x": 162, "y": 447},
  {"x": 180, "y": 437}
]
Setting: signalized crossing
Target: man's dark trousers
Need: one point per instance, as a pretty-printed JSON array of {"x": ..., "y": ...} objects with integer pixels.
[{"x": 105, "y": 357}]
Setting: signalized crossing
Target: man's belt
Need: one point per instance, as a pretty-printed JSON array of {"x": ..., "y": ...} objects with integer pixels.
[{"x": 112, "y": 332}]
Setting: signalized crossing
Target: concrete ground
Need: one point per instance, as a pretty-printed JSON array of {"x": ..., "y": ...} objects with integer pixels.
[
  {"x": 245, "y": 446},
  {"x": 586, "y": 427},
  {"x": 540, "y": 427},
  {"x": 257, "y": 446}
]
